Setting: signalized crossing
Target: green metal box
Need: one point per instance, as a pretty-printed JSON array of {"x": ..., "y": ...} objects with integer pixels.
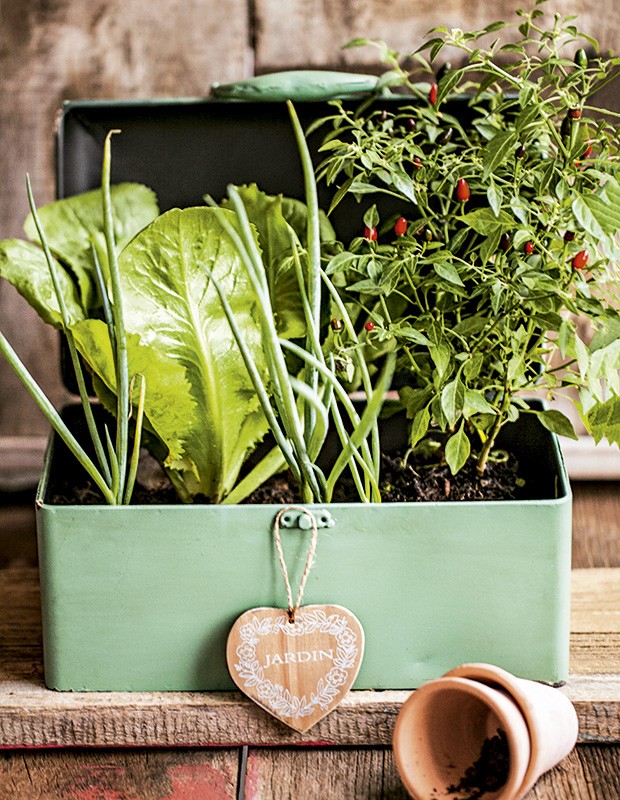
[{"x": 142, "y": 597}]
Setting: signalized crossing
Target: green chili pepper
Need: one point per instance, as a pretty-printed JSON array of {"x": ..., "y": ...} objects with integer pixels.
[
  {"x": 445, "y": 137},
  {"x": 581, "y": 58}
]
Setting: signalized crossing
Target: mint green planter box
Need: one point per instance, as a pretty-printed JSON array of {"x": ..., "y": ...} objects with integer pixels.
[{"x": 142, "y": 598}]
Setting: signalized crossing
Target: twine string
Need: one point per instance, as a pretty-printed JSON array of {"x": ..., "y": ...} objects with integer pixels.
[{"x": 292, "y": 608}]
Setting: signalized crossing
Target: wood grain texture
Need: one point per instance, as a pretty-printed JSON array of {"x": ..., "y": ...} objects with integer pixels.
[
  {"x": 304, "y": 774},
  {"x": 67, "y": 49},
  {"x": 113, "y": 775},
  {"x": 311, "y": 33},
  {"x": 596, "y": 524},
  {"x": 297, "y": 669},
  {"x": 588, "y": 773},
  {"x": 32, "y": 716}
]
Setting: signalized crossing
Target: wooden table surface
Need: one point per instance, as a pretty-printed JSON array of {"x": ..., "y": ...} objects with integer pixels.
[{"x": 176, "y": 746}]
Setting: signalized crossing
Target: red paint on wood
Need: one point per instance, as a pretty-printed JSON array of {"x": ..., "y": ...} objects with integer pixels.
[
  {"x": 192, "y": 781},
  {"x": 98, "y": 793},
  {"x": 252, "y": 779}
]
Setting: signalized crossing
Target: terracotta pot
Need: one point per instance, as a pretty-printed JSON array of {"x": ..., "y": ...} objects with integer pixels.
[
  {"x": 447, "y": 729},
  {"x": 550, "y": 716},
  {"x": 443, "y": 731}
]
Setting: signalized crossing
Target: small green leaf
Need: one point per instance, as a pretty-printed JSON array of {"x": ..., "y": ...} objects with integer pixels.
[
  {"x": 371, "y": 217},
  {"x": 458, "y": 449},
  {"x": 516, "y": 367},
  {"x": 452, "y": 399},
  {"x": 408, "y": 333},
  {"x": 485, "y": 222},
  {"x": 476, "y": 403},
  {"x": 440, "y": 354},
  {"x": 448, "y": 271},
  {"x": 586, "y": 218},
  {"x": 604, "y": 212},
  {"x": 497, "y": 151},
  {"x": 556, "y": 422},
  {"x": 419, "y": 426},
  {"x": 603, "y": 420},
  {"x": 495, "y": 197},
  {"x": 403, "y": 184}
]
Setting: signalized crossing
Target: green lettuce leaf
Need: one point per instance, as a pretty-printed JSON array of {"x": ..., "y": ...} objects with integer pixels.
[
  {"x": 276, "y": 218},
  {"x": 73, "y": 224},
  {"x": 275, "y": 237},
  {"x": 172, "y": 306},
  {"x": 24, "y": 265},
  {"x": 164, "y": 377}
]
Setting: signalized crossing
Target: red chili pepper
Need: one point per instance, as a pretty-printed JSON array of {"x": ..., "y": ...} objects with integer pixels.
[
  {"x": 400, "y": 229},
  {"x": 432, "y": 94},
  {"x": 575, "y": 113},
  {"x": 580, "y": 260},
  {"x": 529, "y": 248},
  {"x": 587, "y": 152},
  {"x": 370, "y": 234},
  {"x": 462, "y": 190},
  {"x": 370, "y": 326},
  {"x": 417, "y": 162}
]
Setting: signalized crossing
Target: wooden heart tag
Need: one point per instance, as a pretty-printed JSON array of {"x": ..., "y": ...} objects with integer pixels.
[
  {"x": 297, "y": 671},
  {"x": 296, "y": 663}
]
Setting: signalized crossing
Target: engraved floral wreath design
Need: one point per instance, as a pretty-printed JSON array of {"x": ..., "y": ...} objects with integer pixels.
[{"x": 274, "y": 694}]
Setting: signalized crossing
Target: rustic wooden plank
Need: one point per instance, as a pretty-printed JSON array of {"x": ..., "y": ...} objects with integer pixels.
[
  {"x": 596, "y": 524},
  {"x": 588, "y": 773},
  {"x": 31, "y": 715},
  {"x": 50, "y": 52},
  {"x": 114, "y": 775},
  {"x": 312, "y": 32},
  {"x": 346, "y": 774}
]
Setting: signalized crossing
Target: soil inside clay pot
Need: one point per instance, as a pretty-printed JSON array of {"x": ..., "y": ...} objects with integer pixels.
[{"x": 487, "y": 774}]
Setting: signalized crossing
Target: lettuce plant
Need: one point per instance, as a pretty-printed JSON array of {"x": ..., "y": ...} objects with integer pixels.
[
  {"x": 205, "y": 306},
  {"x": 202, "y": 417}
]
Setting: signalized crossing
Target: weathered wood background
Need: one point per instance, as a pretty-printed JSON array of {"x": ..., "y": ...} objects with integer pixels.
[{"x": 52, "y": 50}]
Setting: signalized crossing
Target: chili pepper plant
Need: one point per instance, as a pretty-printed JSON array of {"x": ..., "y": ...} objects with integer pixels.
[{"x": 485, "y": 235}]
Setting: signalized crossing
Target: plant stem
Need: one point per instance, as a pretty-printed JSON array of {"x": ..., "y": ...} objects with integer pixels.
[
  {"x": 54, "y": 418},
  {"x": 75, "y": 359},
  {"x": 314, "y": 256},
  {"x": 122, "y": 368},
  {"x": 490, "y": 440}
]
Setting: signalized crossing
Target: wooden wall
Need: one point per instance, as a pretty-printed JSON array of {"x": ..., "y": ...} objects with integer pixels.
[{"x": 52, "y": 50}]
